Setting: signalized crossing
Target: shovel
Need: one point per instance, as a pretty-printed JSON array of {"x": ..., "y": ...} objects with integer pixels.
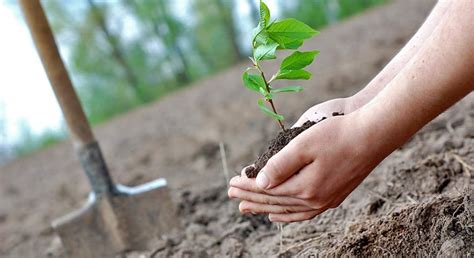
[{"x": 115, "y": 218}]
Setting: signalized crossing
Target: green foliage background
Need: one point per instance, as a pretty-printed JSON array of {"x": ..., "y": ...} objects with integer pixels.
[{"x": 122, "y": 54}]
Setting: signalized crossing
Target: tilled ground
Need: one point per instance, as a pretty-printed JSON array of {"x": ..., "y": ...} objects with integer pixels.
[{"x": 419, "y": 200}]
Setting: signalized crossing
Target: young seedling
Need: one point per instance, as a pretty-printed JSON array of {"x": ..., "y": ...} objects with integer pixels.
[{"x": 268, "y": 38}]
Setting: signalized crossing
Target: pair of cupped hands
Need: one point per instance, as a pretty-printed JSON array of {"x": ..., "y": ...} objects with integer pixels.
[{"x": 315, "y": 172}]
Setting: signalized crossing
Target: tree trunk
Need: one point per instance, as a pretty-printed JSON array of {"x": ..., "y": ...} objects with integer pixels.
[
  {"x": 173, "y": 43},
  {"x": 116, "y": 50},
  {"x": 227, "y": 18},
  {"x": 254, "y": 11}
]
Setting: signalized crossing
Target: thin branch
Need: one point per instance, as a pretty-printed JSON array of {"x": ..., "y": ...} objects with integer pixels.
[{"x": 267, "y": 86}]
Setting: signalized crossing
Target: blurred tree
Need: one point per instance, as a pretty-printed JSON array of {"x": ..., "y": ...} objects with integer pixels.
[
  {"x": 350, "y": 7},
  {"x": 254, "y": 11},
  {"x": 225, "y": 8},
  {"x": 99, "y": 14},
  {"x": 312, "y": 12},
  {"x": 207, "y": 63},
  {"x": 4, "y": 146},
  {"x": 171, "y": 34},
  {"x": 29, "y": 141},
  {"x": 210, "y": 38},
  {"x": 123, "y": 53},
  {"x": 146, "y": 13},
  {"x": 100, "y": 80}
]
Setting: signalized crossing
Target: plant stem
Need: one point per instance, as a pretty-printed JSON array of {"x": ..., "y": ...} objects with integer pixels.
[{"x": 267, "y": 86}]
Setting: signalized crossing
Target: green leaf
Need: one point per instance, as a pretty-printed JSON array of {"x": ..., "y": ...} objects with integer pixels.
[
  {"x": 291, "y": 28},
  {"x": 291, "y": 44},
  {"x": 298, "y": 60},
  {"x": 287, "y": 89},
  {"x": 259, "y": 34},
  {"x": 268, "y": 112},
  {"x": 293, "y": 75},
  {"x": 253, "y": 81},
  {"x": 261, "y": 37},
  {"x": 290, "y": 33},
  {"x": 264, "y": 15},
  {"x": 265, "y": 52}
]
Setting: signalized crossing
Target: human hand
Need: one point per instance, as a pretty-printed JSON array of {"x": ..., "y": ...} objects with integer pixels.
[
  {"x": 326, "y": 110},
  {"x": 316, "y": 171},
  {"x": 319, "y": 168}
]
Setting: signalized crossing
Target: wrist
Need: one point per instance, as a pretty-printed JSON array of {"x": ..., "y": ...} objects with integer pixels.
[
  {"x": 365, "y": 95},
  {"x": 355, "y": 102},
  {"x": 377, "y": 136},
  {"x": 364, "y": 143}
]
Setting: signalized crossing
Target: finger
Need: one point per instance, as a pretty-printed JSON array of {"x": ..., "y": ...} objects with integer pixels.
[
  {"x": 284, "y": 164},
  {"x": 294, "y": 217},
  {"x": 263, "y": 198},
  {"x": 299, "y": 185},
  {"x": 245, "y": 183},
  {"x": 293, "y": 187},
  {"x": 252, "y": 207}
]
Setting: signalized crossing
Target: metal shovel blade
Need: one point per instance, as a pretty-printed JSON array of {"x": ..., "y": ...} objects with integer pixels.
[{"x": 107, "y": 225}]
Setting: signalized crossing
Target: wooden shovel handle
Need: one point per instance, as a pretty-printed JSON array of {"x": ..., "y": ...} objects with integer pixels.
[{"x": 57, "y": 74}]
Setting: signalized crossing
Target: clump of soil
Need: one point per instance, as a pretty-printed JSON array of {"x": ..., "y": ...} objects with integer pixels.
[
  {"x": 278, "y": 143},
  {"x": 441, "y": 226}
]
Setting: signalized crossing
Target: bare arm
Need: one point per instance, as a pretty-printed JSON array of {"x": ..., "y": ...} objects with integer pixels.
[
  {"x": 348, "y": 105},
  {"x": 402, "y": 58},
  {"x": 440, "y": 74},
  {"x": 323, "y": 165}
]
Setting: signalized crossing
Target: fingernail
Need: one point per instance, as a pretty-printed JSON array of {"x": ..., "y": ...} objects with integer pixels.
[
  {"x": 262, "y": 180},
  {"x": 270, "y": 217}
]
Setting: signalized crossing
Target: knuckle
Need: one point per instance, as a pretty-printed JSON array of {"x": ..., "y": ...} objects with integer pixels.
[
  {"x": 301, "y": 151},
  {"x": 301, "y": 155}
]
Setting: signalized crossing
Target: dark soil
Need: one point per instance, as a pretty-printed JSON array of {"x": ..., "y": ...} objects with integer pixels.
[
  {"x": 278, "y": 143},
  {"x": 441, "y": 227},
  {"x": 282, "y": 139}
]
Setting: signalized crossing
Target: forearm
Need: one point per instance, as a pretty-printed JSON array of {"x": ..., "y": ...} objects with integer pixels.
[
  {"x": 402, "y": 58},
  {"x": 439, "y": 75}
]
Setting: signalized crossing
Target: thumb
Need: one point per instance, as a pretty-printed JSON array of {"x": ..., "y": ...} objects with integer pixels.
[{"x": 284, "y": 164}]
